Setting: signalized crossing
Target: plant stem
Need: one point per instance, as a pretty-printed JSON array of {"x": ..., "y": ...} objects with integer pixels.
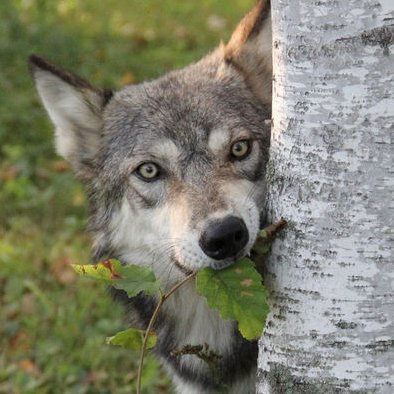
[
  {"x": 273, "y": 229},
  {"x": 163, "y": 298}
]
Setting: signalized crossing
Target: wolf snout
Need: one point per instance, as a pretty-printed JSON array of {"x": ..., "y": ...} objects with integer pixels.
[{"x": 224, "y": 238}]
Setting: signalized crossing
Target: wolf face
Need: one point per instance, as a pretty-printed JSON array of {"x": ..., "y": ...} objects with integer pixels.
[
  {"x": 188, "y": 170},
  {"x": 174, "y": 170}
]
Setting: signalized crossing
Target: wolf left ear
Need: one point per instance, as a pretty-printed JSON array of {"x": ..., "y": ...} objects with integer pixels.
[
  {"x": 75, "y": 108},
  {"x": 250, "y": 50}
]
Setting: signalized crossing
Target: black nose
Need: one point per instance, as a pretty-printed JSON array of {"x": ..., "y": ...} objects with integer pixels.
[{"x": 224, "y": 238}]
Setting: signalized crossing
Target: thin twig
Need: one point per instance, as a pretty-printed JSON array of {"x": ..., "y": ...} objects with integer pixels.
[
  {"x": 273, "y": 229},
  {"x": 163, "y": 298}
]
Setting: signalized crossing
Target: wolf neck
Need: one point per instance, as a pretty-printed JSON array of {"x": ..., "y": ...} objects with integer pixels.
[{"x": 186, "y": 319}]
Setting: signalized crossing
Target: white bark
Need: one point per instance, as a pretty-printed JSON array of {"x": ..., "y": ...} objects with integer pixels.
[{"x": 331, "y": 276}]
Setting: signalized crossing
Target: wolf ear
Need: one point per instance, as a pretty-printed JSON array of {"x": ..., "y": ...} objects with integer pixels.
[
  {"x": 75, "y": 108},
  {"x": 250, "y": 50}
]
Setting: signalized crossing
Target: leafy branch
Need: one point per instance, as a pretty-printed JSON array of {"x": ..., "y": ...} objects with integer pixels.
[{"x": 236, "y": 292}]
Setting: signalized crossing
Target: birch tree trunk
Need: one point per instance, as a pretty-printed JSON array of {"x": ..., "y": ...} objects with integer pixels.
[{"x": 331, "y": 276}]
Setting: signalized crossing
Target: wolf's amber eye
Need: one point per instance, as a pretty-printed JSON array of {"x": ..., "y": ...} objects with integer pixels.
[
  {"x": 240, "y": 149},
  {"x": 148, "y": 171}
]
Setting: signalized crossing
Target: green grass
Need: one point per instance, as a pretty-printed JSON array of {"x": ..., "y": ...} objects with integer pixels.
[{"x": 53, "y": 325}]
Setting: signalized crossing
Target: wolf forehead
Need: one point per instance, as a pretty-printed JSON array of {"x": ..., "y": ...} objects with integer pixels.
[{"x": 182, "y": 108}]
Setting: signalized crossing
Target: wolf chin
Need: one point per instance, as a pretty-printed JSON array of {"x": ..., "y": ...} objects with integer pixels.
[{"x": 174, "y": 171}]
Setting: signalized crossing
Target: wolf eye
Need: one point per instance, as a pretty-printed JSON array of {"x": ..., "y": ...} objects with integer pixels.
[
  {"x": 148, "y": 171},
  {"x": 240, "y": 149}
]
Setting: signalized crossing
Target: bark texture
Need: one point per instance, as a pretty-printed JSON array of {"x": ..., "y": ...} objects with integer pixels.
[{"x": 331, "y": 276}]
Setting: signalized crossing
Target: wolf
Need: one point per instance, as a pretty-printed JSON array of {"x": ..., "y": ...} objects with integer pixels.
[{"x": 174, "y": 171}]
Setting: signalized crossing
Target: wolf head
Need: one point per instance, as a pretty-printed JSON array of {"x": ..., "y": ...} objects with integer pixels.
[{"x": 174, "y": 168}]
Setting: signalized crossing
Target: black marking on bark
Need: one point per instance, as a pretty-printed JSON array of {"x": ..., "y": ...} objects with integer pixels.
[
  {"x": 382, "y": 36},
  {"x": 344, "y": 325},
  {"x": 303, "y": 291},
  {"x": 381, "y": 346},
  {"x": 338, "y": 344}
]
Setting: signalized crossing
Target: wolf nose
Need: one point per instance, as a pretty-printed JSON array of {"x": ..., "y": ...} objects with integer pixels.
[{"x": 224, "y": 238}]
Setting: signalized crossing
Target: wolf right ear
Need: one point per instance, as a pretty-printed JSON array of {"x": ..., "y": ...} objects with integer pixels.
[
  {"x": 75, "y": 108},
  {"x": 250, "y": 50}
]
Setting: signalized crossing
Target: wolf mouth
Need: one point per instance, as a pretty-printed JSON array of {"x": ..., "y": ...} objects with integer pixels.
[
  {"x": 223, "y": 264},
  {"x": 217, "y": 265}
]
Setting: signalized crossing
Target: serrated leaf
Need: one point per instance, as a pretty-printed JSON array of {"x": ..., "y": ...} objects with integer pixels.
[
  {"x": 132, "y": 339},
  {"x": 132, "y": 279},
  {"x": 237, "y": 292},
  {"x": 135, "y": 279}
]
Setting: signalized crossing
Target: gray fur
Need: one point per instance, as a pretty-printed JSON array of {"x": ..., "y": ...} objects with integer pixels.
[{"x": 169, "y": 122}]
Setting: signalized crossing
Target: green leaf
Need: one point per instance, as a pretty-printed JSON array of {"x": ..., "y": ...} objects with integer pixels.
[
  {"x": 105, "y": 271},
  {"x": 132, "y": 339},
  {"x": 238, "y": 294},
  {"x": 131, "y": 278},
  {"x": 135, "y": 279}
]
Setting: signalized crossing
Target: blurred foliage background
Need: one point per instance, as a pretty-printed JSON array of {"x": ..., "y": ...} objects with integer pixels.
[{"x": 52, "y": 326}]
